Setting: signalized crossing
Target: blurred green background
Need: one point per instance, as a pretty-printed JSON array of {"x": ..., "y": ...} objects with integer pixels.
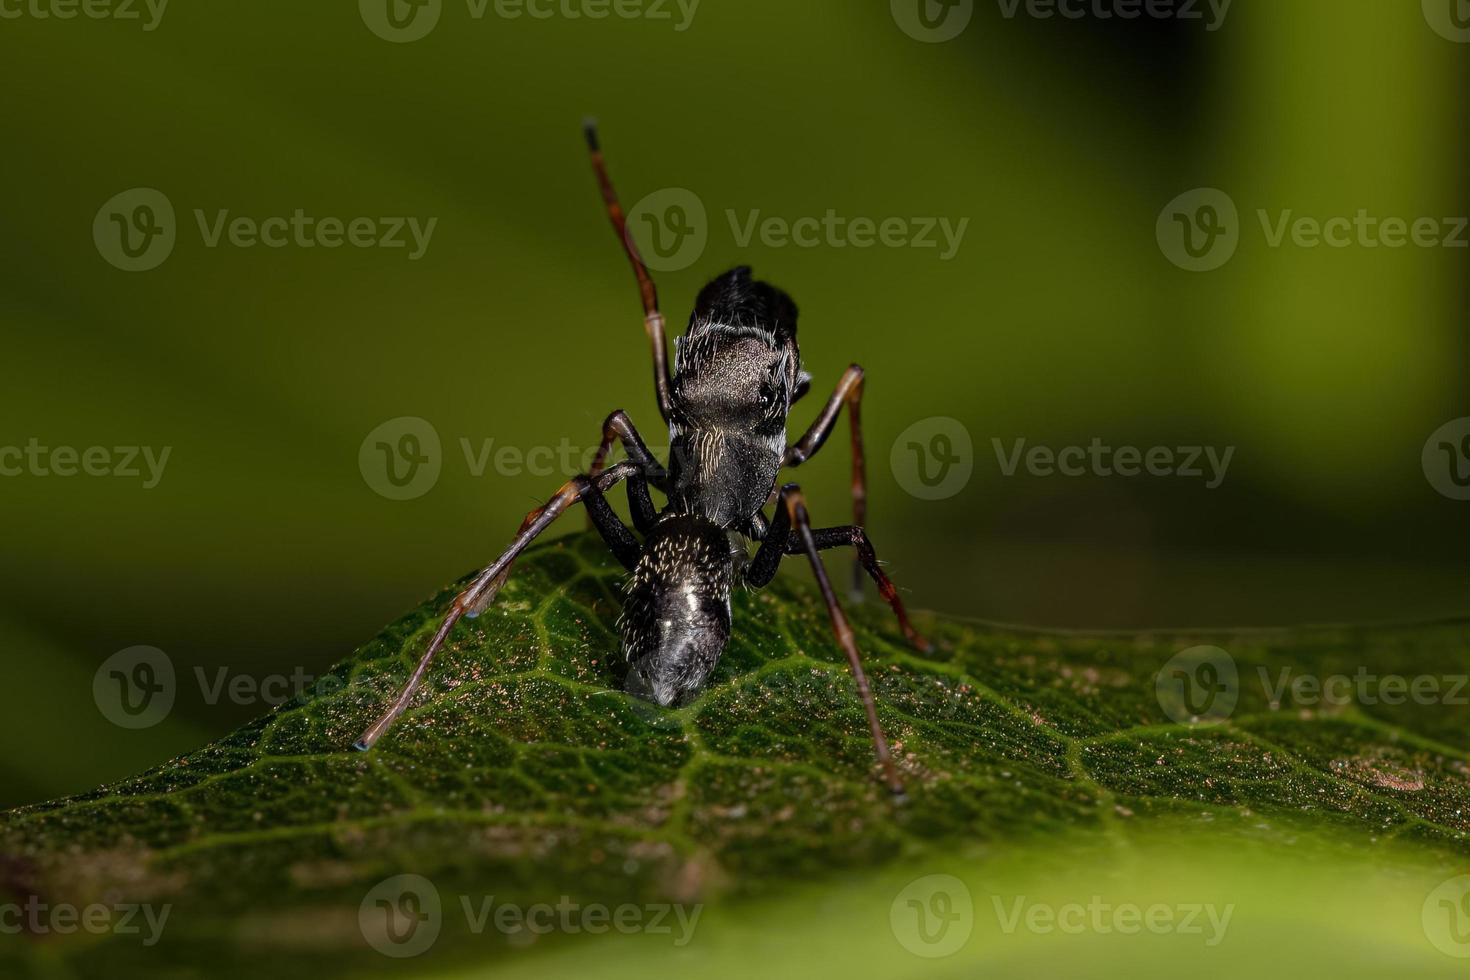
[{"x": 264, "y": 550}]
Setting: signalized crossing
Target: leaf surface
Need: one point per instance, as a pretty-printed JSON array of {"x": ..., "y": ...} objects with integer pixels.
[{"x": 524, "y": 774}]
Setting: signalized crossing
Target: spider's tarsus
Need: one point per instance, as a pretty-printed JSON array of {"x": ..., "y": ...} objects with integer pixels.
[
  {"x": 589, "y": 129},
  {"x": 899, "y": 797},
  {"x": 361, "y": 745}
]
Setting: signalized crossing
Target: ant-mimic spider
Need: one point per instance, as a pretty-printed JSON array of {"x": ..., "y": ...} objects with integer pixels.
[{"x": 737, "y": 371}]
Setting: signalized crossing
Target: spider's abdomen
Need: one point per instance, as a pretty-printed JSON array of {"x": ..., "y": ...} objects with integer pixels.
[{"x": 676, "y": 615}]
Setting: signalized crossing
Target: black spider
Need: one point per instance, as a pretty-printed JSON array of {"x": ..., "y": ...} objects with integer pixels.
[{"x": 737, "y": 371}]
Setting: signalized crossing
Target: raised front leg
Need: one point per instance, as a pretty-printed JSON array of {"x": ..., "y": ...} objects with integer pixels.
[{"x": 653, "y": 320}]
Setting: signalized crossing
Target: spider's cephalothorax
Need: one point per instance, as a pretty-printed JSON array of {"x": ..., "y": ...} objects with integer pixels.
[{"x": 737, "y": 373}]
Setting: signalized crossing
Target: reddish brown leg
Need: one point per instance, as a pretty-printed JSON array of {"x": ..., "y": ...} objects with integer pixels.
[
  {"x": 849, "y": 392},
  {"x": 801, "y": 529},
  {"x": 493, "y": 589},
  {"x": 653, "y": 320},
  {"x": 482, "y": 589},
  {"x": 778, "y": 541},
  {"x": 867, "y": 557}
]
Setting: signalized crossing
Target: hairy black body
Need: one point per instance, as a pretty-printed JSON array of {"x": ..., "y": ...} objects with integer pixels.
[
  {"x": 736, "y": 374},
  {"x": 736, "y": 370},
  {"x": 676, "y": 612}
]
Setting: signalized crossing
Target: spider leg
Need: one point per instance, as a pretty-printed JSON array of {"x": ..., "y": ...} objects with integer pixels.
[
  {"x": 849, "y": 392},
  {"x": 852, "y": 536},
  {"x": 653, "y": 320},
  {"x": 619, "y": 539},
  {"x": 778, "y": 542},
  {"x": 618, "y": 427},
  {"x": 791, "y": 532}
]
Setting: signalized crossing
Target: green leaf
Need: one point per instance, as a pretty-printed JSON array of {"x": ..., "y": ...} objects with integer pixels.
[{"x": 1046, "y": 760}]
